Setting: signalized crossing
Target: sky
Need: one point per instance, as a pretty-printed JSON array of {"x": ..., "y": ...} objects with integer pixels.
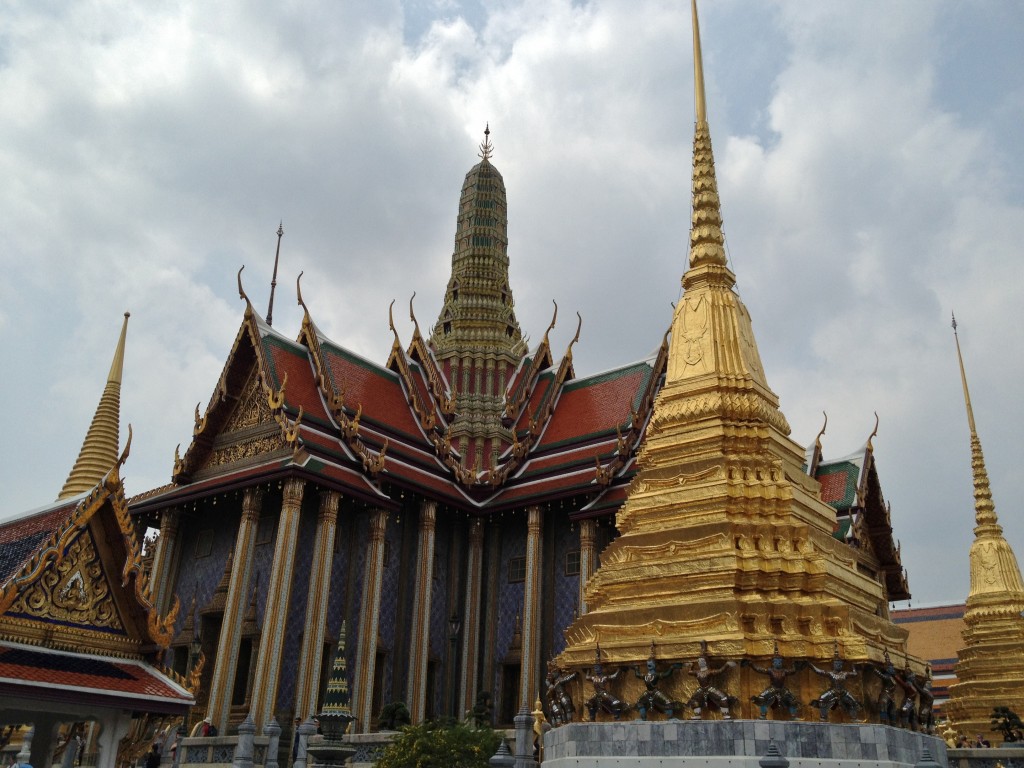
[{"x": 869, "y": 163}]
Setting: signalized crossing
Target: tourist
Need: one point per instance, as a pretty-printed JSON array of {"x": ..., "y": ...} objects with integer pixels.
[
  {"x": 982, "y": 742},
  {"x": 153, "y": 757}
]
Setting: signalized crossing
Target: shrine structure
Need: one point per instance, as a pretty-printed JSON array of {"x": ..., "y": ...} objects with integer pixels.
[{"x": 990, "y": 666}]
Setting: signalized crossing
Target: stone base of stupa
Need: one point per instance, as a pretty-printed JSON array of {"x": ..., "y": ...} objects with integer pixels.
[{"x": 735, "y": 744}]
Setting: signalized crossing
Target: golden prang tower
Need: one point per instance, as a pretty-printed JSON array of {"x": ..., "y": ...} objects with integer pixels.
[
  {"x": 990, "y": 669},
  {"x": 724, "y": 536}
]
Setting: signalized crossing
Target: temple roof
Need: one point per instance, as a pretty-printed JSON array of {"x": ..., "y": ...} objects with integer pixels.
[{"x": 84, "y": 678}]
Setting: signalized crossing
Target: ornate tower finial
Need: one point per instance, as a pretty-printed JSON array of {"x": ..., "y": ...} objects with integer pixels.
[
  {"x": 486, "y": 148},
  {"x": 984, "y": 507},
  {"x": 100, "y": 449},
  {"x": 273, "y": 280},
  {"x": 707, "y": 245},
  {"x": 700, "y": 105}
]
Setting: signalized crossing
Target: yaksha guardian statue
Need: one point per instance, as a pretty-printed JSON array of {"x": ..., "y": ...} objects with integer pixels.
[
  {"x": 560, "y": 706},
  {"x": 908, "y": 710},
  {"x": 776, "y": 694},
  {"x": 836, "y": 694},
  {"x": 706, "y": 693},
  {"x": 926, "y": 708},
  {"x": 603, "y": 698},
  {"x": 887, "y": 696},
  {"x": 652, "y": 698}
]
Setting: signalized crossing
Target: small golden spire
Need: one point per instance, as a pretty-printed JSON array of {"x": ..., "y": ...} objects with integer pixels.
[
  {"x": 707, "y": 244},
  {"x": 486, "y": 148},
  {"x": 698, "y": 70},
  {"x": 100, "y": 449},
  {"x": 984, "y": 508}
]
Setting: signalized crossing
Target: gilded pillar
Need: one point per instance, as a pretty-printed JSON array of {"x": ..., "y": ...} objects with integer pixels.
[
  {"x": 307, "y": 686},
  {"x": 164, "y": 559},
  {"x": 419, "y": 643},
  {"x": 471, "y": 623},
  {"x": 528, "y": 681},
  {"x": 588, "y": 528},
  {"x": 235, "y": 604},
  {"x": 275, "y": 614},
  {"x": 369, "y": 617}
]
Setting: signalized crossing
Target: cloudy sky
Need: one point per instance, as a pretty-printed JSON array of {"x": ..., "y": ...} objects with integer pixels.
[{"x": 869, "y": 161}]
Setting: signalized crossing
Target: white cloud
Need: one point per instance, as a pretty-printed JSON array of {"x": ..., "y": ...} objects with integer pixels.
[{"x": 148, "y": 153}]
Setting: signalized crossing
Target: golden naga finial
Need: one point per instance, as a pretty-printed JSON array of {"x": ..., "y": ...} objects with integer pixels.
[
  {"x": 412, "y": 314},
  {"x": 554, "y": 318},
  {"x": 579, "y": 326},
  {"x": 127, "y": 448},
  {"x": 200, "y": 423},
  {"x": 486, "y": 148},
  {"x": 241, "y": 292},
  {"x": 298, "y": 293},
  {"x": 873, "y": 434},
  {"x": 817, "y": 440},
  {"x": 276, "y": 399}
]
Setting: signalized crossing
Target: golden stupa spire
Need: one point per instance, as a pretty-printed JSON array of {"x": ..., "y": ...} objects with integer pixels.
[
  {"x": 994, "y": 567},
  {"x": 698, "y": 70},
  {"x": 990, "y": 666},
  {"x": 707, "y": 245},
  {"x": 723, "y": 537},
  {"x": 99, "y": 451}
]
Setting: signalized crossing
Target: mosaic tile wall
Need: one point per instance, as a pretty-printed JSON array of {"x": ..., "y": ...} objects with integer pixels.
[
  {"x": 440, "y": 610},
  {"x": 510, "y": 595},
  {"x": 565, "y": 588},
  {"x": 198, "y": 576},
  {"x": 393, "y": 572},
  {"x": 353, "y": 532}
]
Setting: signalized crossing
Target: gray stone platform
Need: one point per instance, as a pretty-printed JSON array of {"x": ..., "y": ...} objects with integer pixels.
[{"x": 735, "y": 744}]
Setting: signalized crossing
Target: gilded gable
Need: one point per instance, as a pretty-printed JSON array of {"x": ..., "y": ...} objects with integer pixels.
[{"x": 74, "y": 592}]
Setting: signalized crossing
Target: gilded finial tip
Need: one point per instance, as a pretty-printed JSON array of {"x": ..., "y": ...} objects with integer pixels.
[{"x": 127, "y": 314}]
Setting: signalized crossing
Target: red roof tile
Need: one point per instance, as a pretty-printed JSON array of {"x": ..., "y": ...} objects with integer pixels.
[
  {"x": 301, "y": 389},
  {"x": 596, "y": 405},
  {"x": 78, "y": 673},
  {"x": 376, "y": 389}
]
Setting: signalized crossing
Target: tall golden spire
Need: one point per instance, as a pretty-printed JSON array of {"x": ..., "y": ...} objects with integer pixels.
[
  {"x": 723, "y": 537},
  {"x": 990, "y": 666},
  {"x": 994, "y": 568},
  {"x": 99, "y": 451}
]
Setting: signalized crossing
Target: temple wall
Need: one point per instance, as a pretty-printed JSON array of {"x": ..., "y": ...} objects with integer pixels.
[{"x": 564, "y": 588}]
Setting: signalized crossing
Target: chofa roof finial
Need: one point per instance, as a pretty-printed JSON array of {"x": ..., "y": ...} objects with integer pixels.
[{"x": 486, "y": 148}]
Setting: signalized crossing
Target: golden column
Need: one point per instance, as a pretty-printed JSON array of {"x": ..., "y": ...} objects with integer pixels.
[
  {"x": 369, "y": 616},
  {"x": 308, "y": 685},
  {"x": 420, "y": 642},
  {"x": 531, "y": 608},
  {"x": 234, "y": 609},
  {"x": 275, "y": 614},
  {"x": 471, "y": 621},
  {"x": 165, "y": 558},
  {"x": 588, "y": 528}
]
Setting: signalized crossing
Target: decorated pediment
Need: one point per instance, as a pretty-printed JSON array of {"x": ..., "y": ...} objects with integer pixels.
[
  {"x": 244, "y": 420},
  {"x": 72, "y": 592}
]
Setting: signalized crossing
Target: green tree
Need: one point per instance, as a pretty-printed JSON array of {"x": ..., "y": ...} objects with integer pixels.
[{"x": 440, "y": 744}]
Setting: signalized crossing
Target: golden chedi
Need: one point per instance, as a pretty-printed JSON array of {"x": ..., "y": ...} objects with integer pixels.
[
  {"x": 724, "y": 536},
  {"x": 990, "y": 669}
]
